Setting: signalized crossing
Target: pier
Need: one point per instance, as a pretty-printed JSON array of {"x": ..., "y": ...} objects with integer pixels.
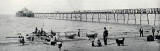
[{"x": 125, "y": 16}]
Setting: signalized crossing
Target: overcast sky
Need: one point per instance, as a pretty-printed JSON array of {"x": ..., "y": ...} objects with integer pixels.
[{"x": 11, "y": 6}]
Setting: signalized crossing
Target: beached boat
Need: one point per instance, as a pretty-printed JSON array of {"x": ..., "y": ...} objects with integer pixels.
[
  {"x": 92, "y": 35},
  {"x": 70, "y": 35},
  {"x": 25, "y": 13}
]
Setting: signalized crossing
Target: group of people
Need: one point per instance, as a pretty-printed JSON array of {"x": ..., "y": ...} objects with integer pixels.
[
  {"x": 141, "y": 30},
  {"x": 99, "y": 44},
  {"x": 105, "y": 36},
  {"x": 51, "y": 39},
  {"x": 39, "y": 32}
]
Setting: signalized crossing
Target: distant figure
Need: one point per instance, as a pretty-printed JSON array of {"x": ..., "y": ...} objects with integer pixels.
[
  {"x": 105, "y": 35},
  {"x": 153, "y": 31},
  {"x": 21, "y": 39},
  {"x": 53, "y": 33},
  {"x": 99, "y": 43},
  {"x": 28, "y": 37},
  {"x": 41, "y": 31},
  {"x": 158, "y": 31},
  {"x": 53, "y": 40},
  {"x": 141, "y": 32},
  {"x": 32, "y": 38},
  {"x": 59, "y": 45},
  {"x": 93, "y": 44},
  {"x": 36, "y": 30},
  {"x": 78, "y": 32}
]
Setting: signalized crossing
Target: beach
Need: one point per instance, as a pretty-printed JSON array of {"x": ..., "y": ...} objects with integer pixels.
[
  {"x": 131, "y": 44},
  {"x": 11, "y": 25}
]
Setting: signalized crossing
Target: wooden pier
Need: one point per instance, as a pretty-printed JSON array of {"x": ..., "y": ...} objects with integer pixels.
[{"x": 111, "y": 15}]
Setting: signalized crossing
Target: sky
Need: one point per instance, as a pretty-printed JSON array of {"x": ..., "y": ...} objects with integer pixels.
[{"x": 11, "y": 6}]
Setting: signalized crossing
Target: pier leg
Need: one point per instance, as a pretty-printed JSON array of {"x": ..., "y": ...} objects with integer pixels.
[
  {"x": 114, "y": 17},
  {"x": 124, "y": 17},
  {"x": 128, "y": 19},
  {"x": 71, "y": 16},
  {"x": 66, "y": 16},
  {"x": 117, "y": 17},
  {"x": 80, "y": 17},
  {"x": 59, "y": 16},
  {"x": 75, "y": 16},
  {"x": 135, "y": 18},
  {"x": 147, "y": 19},
  {"x": 92, "y": 17},
  {"x": 106, "y": 17},
  {"x": 55, "y": 16},
  {"x": 86, "y": 16},
  {"x": 98, "y": 18},
  {"x": 140, "y": 19},
  {"x": 155, "y": 19},
  {"x": 63, "y": 16}
]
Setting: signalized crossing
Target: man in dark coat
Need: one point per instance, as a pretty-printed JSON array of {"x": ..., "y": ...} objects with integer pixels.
[
  {"x": 153, "y": 30},
  {"x": 105, "y": 35},
  {"x": 36, "y": 30},
  {"x": 79, "y": 33},
  {"x": 141, "y": 32}
]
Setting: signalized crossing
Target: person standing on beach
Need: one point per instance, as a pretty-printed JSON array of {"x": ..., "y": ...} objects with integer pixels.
[
  {"x": 36, "y": 30},
  {"x": 59, "y": 45},
  {"x": 105, "y": 35},
  {"x": 153, "y": 31},
  {"x": 21, "y": 39},
  {"x": 78, "y": 32},
  {"x": 141, "y": 32}
]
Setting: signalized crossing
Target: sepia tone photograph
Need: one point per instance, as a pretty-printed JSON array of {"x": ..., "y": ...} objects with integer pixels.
[{"x": 79, "y": 25}]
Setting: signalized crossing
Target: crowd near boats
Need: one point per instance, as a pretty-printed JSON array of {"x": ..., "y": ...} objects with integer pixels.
[{"x": 54, "y": 38}]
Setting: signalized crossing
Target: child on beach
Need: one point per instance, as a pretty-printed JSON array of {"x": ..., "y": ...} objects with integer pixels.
[
  {"x": 78, "y": 32},
  {"x": 22, "y": 41},
  {"x": 93, "y": 44},
  {"x": 59, "y": 45},
  {"x": 99, "y": 43},
  {"x": 21, "y": 38}
]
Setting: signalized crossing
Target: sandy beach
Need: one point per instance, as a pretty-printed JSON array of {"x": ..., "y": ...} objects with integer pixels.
[
  {"x": 132, "y": 40},
  {"x": 131, "y": 44}
]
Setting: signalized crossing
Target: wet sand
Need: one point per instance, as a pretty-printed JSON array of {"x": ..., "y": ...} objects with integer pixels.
[{"x": 131, "y": 44}]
